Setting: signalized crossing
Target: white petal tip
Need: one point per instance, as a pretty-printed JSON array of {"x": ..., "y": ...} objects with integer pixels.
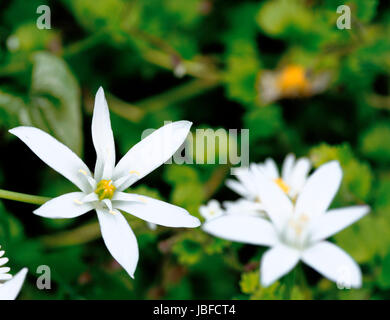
[
  {"x": 14, "y": 131},
  {"x": 191, "y": 222},
  {"x": 24, "y": 271},
  {"x": 184, "y": 123},
  {"x": 37, "y": 212},
  {"x": 265, "y": 284},
  {"x": 195, "y": 222},
  {"x": 366, "y": 209},
  {"x": 335, "y": 164},
  {"x": 100, "y": 91}
]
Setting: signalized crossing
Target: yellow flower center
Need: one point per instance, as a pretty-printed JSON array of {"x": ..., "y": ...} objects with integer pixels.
[
  {"x": 105, "y": 190},
  {"x": 282, "y": 185},
  {"x": 293, "y": 79}
]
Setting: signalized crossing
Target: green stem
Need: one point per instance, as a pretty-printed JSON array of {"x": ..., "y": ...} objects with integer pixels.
[
  {"x": 135, "y": 112},
  {"x": 82, "y": 234},
  {"x": 22, "y": 197},
  {"x": 83, "y": 45},
  {"x": 289, "y": 284}
]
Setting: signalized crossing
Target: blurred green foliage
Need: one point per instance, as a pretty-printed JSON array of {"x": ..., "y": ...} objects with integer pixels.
[{"x": 205, "y": 61}]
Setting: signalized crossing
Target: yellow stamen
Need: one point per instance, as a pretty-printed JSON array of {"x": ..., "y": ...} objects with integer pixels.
[
  {"x": 105, "y": 189},
  {"x": 292, "y": 79},
  {"x": 282, "y": 185}
]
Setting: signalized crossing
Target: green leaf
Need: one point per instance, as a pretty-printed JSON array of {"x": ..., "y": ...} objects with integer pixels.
[
  {"x": 374, "y": 143},
  {"x": 278, "y": 17},
  {"x": 249, "y": 282},
  {"x": 55, "y": 99},
  {"x": 384, "y": 277},
  {"x": 264, "y": 122},
  {"x": 13, "y": 110},
  {"x": 96, "y": 15}
]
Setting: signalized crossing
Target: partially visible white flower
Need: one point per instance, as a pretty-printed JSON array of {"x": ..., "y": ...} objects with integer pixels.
[
  {"x": 291, "y": 180},
  {"x": 243, "y": 206},
  {"x": 212, "y": 210},
  {"x": 10, "y": 286},
  {"x": 297, "y": 231},
  {"x": 293, "y": 176},
  {"x": 13, "y": 43},
  {"x": 103, "y": 190},
  {"x": 292, "y": 81}
]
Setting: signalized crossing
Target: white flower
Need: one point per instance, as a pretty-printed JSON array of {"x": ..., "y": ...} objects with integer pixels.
[
  {"x": 297, "y": 232},
  {"x": 212, "y": 210},
  {"x": 292, "y": 81},
  {"x": 10, "y": 286},
  {"x": 291, "y": 181},
  {"x": 103, "y": 191},
  {"x": 243, "y": 206}
]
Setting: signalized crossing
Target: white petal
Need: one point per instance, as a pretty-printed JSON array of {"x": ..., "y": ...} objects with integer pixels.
[
  {"x": 159, "y": 212},
  {"x": 92, "y": 197},
  {"x": 245, "y": 229},
  {"x": 247, "y": 179},
  {"x": 127, "y": 197},
  {"x": 66, "y": 206},
  {"x": 119, "y": 239},
  {"x": 54, "y": 154},
  {"x": 277, "y": 262},
  {"x": 5, "y": 276},
  {"x": 4, "y": 270},
  {"x": 271, "y": 169},
  {"x": 243, "y": 206},
  {"x": 298, "y": 175},
  {"x": 336, "y": 220},
  {"x": 3, "y": 261},
  {"x": 333, "y": 263},
  {"x": 153, "y": 151},
  {"x": 212, "y": 210},
  {"x": 10, "y": 289},
  {"x": 320, "y": 189},
  {"x": 276, "y": 203},
  {"x": 287, "y": 166},
  {"x": 108, "y": 204},
  {"x": 237, "y": 187},
  {"x": 103, "y": 138}
]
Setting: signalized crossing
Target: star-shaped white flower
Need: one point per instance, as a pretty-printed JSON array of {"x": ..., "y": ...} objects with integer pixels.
[
  {"x": 297, "y": 231},
  {"x": 103, "y": 190},
  {"x": 10, "y": 286},
  {"x": 212, "y": 210},
  {"x": 291, "y": 181}
]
